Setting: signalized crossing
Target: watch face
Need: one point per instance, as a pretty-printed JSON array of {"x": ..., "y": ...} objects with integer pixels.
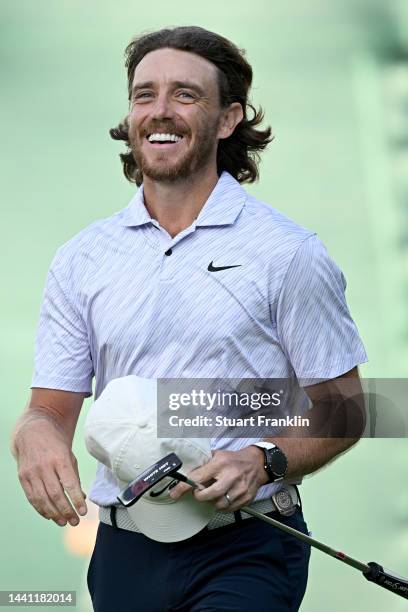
[{"x": 277, "y": 462}]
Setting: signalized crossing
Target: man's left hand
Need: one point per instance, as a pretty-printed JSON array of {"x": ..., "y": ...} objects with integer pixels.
[{"x": 238, "y": 473}]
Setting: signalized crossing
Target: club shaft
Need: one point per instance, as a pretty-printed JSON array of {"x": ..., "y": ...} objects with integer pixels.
[
  {"x": 336, "y": 554},
  {"x": 184, "y": 478},
  {"x": 363, "y": 567},
  {"x": 371, "y": 571}
]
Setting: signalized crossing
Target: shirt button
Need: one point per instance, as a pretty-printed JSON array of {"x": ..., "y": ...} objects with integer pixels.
[{"x": 168, "y": 252}]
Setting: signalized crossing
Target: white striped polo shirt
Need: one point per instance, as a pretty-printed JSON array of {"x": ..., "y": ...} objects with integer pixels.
[{"x": 124, "y": 297}]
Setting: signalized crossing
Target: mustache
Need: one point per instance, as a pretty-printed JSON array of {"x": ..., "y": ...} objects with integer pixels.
[{"x": 165, "y": 127}]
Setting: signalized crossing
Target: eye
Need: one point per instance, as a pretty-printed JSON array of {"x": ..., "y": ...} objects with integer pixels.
[
  {"x": 142, "y": 95},
  {"x": 186, "y": 95}
]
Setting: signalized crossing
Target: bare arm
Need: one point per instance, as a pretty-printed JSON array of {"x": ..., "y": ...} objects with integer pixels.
[
  {"x": 241, "y": 473},
  {"x": 308, "y": 454},
  {"x": 41, "y": 444}
]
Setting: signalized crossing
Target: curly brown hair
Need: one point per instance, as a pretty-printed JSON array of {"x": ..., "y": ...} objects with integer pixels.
[{"x": 239, "y": 153}]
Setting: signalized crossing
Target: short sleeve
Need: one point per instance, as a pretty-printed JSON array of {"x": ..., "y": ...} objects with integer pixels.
[
  {"x": 314, "y": 325},
  {"x": 62, "y": 352}
]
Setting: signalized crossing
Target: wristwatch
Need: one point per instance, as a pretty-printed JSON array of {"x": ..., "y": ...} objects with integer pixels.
[{"x": 276, "y": 463}]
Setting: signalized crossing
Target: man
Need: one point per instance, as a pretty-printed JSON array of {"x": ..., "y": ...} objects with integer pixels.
[{"x": 194, "y": 279}]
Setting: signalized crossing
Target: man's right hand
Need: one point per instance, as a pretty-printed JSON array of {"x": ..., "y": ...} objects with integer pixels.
[{"x": 47, "y": 467}]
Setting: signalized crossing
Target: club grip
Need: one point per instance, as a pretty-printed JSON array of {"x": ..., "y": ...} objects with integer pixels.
[{"x": 387, "y": 580}]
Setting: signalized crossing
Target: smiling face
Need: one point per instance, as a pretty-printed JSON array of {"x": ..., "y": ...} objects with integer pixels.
[{"x": 175, "y": 117}]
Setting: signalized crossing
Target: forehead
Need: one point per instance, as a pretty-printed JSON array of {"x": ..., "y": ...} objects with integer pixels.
[{"x": 167, "y": 65}]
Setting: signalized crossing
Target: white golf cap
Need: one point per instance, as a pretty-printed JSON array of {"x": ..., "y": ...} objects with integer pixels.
[{"x": 121, "y": 432}]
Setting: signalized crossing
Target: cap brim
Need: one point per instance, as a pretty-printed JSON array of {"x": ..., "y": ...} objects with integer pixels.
[{"x": 171, "y": 522}]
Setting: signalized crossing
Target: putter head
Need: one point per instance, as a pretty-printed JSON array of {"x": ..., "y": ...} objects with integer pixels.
[{"x": 163, "y": 468}]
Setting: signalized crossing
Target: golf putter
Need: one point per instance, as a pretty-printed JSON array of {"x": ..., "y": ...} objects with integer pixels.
[
  {"x": 164, "y": 468},
  {"x": 169, "y": 466}
]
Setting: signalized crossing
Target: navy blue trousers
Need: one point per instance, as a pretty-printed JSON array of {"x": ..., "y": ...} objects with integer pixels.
[{"x": 242, "y": 567}]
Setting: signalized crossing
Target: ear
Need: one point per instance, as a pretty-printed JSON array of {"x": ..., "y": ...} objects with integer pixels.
[{"x": 230, "y": 118}]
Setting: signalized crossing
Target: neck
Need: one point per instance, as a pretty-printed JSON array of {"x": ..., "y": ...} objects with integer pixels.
[{"x": 176, "y": 205}]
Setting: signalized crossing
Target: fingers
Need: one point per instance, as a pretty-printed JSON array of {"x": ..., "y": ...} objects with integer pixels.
[
  {"x": 218, "y": 496},
  {"x": 238, "y": 495},
  {"x": 40, "y": 500},
  {"x": 220, "y": 501},
  {"x": 216, "y": 475},
  {"x": 69, "y": 478},
  {"x": 227, "y": 472},
  {"x": 179, "y": 490},
  {"x": 75, "y": 465},
  {"x": 235, "y": 473},
  {"x": 206, "y": 473},
  {"x": 229, "y": 499},
  {"x": 58, "y": 497},
  {"x": 44, "y": 489},
  {"x": 234, "y": 502},
  {"x": 201, "y": 476}
]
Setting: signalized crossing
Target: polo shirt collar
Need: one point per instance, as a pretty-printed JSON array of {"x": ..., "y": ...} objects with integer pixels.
[{"x": 222, "y": 207}]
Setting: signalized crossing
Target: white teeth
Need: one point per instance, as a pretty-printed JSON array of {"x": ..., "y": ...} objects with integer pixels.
[{"x": 164, "y": 137}]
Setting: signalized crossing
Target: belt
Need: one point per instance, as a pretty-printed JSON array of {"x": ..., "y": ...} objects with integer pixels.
[{"x": 220, "y": 519}]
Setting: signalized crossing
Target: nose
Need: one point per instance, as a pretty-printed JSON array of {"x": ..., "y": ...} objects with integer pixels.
[{"x": 162, "y": 108}]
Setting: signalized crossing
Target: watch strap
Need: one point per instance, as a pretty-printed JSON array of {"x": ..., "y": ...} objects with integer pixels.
[{"x": 266, "y": 445}]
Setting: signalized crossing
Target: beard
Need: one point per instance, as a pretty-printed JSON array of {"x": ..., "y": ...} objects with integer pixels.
[{"x": 165, "y": 169}]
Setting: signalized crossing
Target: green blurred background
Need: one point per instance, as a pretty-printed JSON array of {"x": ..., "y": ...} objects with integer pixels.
[{"x": 332, "y": 78}]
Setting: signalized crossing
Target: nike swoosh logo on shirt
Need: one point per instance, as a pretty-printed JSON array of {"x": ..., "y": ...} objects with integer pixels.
[{"x": 212, "y": 268}]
